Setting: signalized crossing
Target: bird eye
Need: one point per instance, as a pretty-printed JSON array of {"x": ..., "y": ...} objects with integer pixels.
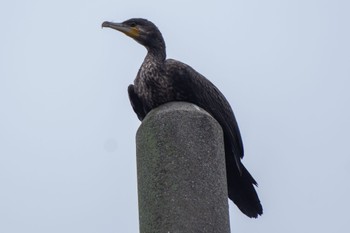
[{"x": 132, "y": 24}]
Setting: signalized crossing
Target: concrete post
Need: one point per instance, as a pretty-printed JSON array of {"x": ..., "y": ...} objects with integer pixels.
[{"x": 181, "y": 171}]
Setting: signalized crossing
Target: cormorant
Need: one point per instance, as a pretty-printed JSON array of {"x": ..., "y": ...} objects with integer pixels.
[{"x": 161, "y": 80}]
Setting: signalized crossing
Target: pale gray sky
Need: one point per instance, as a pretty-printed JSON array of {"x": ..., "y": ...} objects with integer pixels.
[{"x": 67, "y": 147}]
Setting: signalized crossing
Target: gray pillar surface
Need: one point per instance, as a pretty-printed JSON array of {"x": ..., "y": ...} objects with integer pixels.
[{"x": 181, "y": 171}]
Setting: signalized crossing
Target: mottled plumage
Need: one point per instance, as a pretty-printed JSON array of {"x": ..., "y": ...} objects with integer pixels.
[{"x": 162, "y": 80}]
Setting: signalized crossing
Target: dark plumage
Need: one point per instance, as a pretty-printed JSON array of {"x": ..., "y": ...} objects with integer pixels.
[{"x": 162, "y": 80}]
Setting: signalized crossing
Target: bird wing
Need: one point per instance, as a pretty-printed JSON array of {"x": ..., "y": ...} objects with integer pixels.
[
  {"x": 193, "y": 87},
  {"x": 136, "y": 103}
]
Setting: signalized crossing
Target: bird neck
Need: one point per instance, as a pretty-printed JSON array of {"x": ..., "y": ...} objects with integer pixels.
[
  {"x": 156, "y": 54},
  {"x": 156, "y": 48},
  {"x": 153, "y": 64}
]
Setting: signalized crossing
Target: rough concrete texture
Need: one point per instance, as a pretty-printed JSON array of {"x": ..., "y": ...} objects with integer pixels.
[{"x": 181, "y": 171}]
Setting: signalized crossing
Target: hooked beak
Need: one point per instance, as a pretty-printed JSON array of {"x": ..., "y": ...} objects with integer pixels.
[{"x": 133, "y": 32}]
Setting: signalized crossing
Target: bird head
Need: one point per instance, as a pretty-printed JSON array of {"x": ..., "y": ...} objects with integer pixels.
[{"x": 141, "y": 30}]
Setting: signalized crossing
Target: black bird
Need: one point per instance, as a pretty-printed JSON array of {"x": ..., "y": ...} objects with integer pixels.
[{"x": 161, "y": 80}]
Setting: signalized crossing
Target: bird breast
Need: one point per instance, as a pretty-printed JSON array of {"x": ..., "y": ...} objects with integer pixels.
[{"x": 152, "y": 85}]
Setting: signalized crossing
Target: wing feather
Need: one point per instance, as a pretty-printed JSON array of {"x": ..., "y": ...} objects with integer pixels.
[{"x": 136, "y": 103}]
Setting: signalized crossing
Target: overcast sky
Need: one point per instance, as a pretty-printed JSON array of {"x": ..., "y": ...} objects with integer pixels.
[{"x": 67, "y": 131}]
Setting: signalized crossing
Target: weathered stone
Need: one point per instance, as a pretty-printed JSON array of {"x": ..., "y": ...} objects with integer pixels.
[{"x": 181, "y": 171}]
